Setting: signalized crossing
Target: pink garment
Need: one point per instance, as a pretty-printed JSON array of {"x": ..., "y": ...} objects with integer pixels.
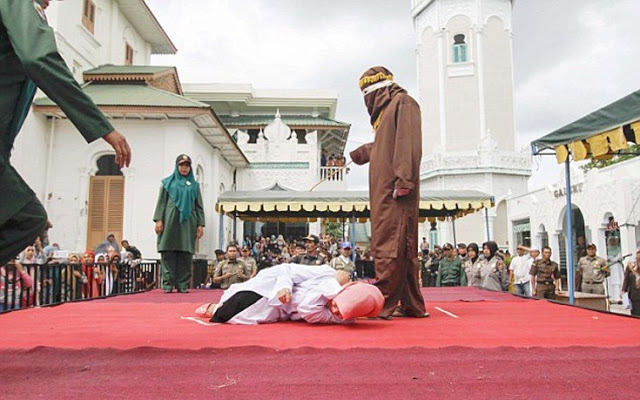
[
  {"x": 359, "y": 299},
  {"x": 27, "y": 282}
]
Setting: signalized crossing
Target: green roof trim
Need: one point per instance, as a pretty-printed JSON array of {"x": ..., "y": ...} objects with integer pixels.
[
  {"x": 293, "y": 121},
  {"x": 131, "y": 95},
  {"x": 109, "y": 69},
  {"x": 619, "y": 113}
]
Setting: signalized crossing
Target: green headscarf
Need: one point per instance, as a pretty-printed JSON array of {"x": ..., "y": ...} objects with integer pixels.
[{"x": 183, "y": 190}]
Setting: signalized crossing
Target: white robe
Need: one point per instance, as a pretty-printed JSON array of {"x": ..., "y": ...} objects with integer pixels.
[{"x": 312, "y": 287}]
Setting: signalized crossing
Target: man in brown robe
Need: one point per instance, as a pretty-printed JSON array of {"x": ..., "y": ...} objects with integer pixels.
[{"x": 394, "y": 190}]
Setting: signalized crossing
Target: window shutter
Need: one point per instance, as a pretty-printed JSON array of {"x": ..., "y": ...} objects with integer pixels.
[
  {"x": 97, "y": 192},
  {"x": 106, "y": 208},
  {"x": 459, "y": 53},
  {"x": 89, "y": 15},
  {"x": 115, "y": 205}
]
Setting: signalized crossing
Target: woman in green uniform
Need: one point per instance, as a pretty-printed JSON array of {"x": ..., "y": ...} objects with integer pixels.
[{"x": 179, "y": 219}]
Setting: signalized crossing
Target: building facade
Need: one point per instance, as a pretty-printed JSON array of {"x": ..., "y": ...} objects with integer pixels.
[
  {"x": 606, "y": 212},
  {"x": 465, "y": 81},
  {"x": 283, "y": 133},
  {"x": 261, "y": 138}
]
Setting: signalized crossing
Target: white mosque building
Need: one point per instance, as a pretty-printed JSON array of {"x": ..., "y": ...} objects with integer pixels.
[{"x": 465, "y": 82}]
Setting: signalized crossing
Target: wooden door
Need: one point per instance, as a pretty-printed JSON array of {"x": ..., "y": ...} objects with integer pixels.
[{"x": 106, "y": 209}]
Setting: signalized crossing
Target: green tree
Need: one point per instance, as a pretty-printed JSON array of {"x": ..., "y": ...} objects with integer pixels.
[
  {"x": 623, "y": 155},
  {"x": 334, "y": 229}
]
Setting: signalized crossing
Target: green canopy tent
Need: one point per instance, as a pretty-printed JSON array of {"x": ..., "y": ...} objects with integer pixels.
[
  {"x": 278, "y": 204},
  {"x": 599, "y": 135}
]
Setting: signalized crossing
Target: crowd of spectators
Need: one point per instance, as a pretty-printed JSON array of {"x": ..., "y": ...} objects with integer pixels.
[
  {"x": 334, "y": 160},
  {"x": 242, "y": 261},
  {"x": 465, "y": 265},
  {"x": 46, "y": 274}
]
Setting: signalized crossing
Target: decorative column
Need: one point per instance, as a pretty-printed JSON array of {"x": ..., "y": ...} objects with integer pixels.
[
  {"x": 491, "y": 217},
  {"x": 628, "y": 240},
  {"x": 128, "y": 221},
  {"x": 314, "y": 227},
  {"x": 84, "y": 175},
  {"x": 445, "y": 232},
  {"x": 433, "y": 235}
]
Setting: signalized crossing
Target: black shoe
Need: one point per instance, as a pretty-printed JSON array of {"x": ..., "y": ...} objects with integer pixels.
[
  {"x": 183, "y": 291},
  {"x": 168, "y": 290},
  {"x": 399, "y": 312}
]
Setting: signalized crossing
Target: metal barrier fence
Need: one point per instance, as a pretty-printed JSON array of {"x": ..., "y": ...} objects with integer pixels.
[
  {"x": 365, "y": 269},
  {"x": 49, "y": 284}
]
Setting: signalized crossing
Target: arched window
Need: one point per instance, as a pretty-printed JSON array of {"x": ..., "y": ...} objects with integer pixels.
[
  {"x": 459, "y": 49},
  {"x": 107, "y": 166},
  {"x": 200, "y": 175}
]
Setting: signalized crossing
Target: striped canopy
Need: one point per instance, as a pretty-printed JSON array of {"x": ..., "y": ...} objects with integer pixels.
[
  {"x": 598, "y": 135},
  {"x": 292, "y": 206}
]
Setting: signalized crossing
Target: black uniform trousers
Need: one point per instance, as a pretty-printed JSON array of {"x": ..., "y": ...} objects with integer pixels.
[
  {"x": 21, "y": 230},
  {"x": 176, "y": 269}
]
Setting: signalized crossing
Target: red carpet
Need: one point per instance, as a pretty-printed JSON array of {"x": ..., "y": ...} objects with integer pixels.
[
  {"x": 138, "y": 345},
  {"x": 258, "y": 373}
]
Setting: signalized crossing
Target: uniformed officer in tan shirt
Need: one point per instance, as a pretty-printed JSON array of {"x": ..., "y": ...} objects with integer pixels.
[
  {"x": 250, "y": 263},
  {"x": 232, "y": 270},
  {"x": 545, "y": 276},
  {"x": 594, "y": 270}
]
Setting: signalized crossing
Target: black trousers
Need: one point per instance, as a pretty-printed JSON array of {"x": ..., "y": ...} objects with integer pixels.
[
  {"x": 21, "y": 230},
  {"x": 176, "y": 269},
  {"x": 236, "y": 304}
]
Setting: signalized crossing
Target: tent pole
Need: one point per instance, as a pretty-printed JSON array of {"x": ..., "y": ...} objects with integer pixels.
[
  {"x": 570, "y": 276},
  {"x": 353, "y": 236},
  {"x": 453, "y": 225},
  {"x": 486, "y": 222},
  {"x": 221, "y": 232},
  {"x": 235, "y": 226},
  {"x": 343, "y": 228}
]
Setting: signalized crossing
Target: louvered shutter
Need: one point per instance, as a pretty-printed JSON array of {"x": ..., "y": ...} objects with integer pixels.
[{"x": 106, "y": 208}]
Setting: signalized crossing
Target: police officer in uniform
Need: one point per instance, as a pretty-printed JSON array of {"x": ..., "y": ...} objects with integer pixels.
[
  {"x": 313, "y": 255},
  {"x": 29, "y": 60},
  {"x": 232, "y": 270},
  {"x": 581, "y": 251},
  {"x": 344, "y": 262},
  {"x": 545, "y": 276},
  {"x": 250, "y": 262},
  {"x": 594, "y": 270}
]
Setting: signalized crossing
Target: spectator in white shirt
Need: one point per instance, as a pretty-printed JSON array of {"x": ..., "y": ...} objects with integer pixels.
[{"x": 519, "y": 271}]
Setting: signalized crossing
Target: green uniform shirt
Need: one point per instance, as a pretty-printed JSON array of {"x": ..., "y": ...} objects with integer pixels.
[
  {"x": 177, "y": 236},
  {"x": 29, "y": 58},
  {"x": 451, "y": 273}
]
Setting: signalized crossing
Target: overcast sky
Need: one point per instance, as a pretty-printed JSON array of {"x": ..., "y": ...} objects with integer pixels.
[{"x": 570, "y": 57}]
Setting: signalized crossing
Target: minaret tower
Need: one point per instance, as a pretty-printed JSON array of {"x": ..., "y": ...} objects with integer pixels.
[{"x": 465, "y": 82}]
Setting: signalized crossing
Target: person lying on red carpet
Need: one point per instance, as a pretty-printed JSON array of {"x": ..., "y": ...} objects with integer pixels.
[{"x": 315, "y": 294}]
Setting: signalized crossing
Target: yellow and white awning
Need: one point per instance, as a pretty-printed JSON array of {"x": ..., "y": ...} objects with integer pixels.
[
  {"x": 292, "y": 206},
  {"x": 599, "y": 135}
]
